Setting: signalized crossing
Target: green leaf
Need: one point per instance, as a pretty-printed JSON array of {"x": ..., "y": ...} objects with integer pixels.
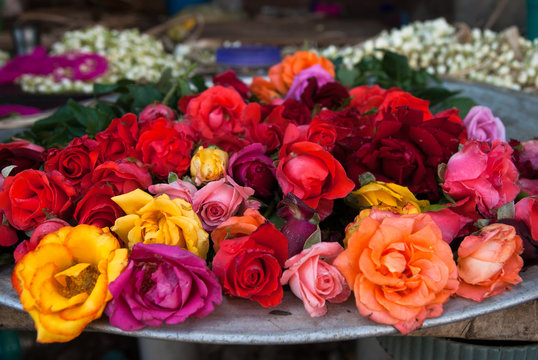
[
  {"x": 396, "y": 66},
  {"x": 507, "y": 211},
  {"x": 480, "y": 223},
  {"x": 165, "y": 81},
  {"x": 435, "y": 207},
  {"x": 199, "y": 82},
  {"x": 172, "y": 177},
  {"x": 346, "y": 76},
  {"x": 366, "y": 177},
  {"x": 313, "y": 239},
  {"x": 435, "y": 95},
  {"x": 463, "y": 103},
  {"x": 143, "y": 95}
]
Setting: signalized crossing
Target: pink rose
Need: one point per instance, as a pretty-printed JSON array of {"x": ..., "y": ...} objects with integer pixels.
[
  {"x": 450, "y": 222},
  {"x": 527, "y": 211},
  {"x": 46, "y": 227},
  {"x": 314, "y": 279},
  {"x": 178, "y": 189},
  {"x": 219, "y": 200},
  {"x": 488, "y": 263},
  {"x": 483, "y": 126},
  {"x": 485, "y": 172},
  {"x": 300, "y": 81}
]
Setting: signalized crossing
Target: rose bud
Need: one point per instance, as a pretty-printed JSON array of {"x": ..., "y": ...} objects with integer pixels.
[
  {"x": 154, "y": 111},
  {"x": 488, "y": 263},
  {"x": 208, "y": 164}
]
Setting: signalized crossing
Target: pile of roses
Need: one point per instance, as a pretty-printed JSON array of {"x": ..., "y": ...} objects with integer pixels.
[{"x": 237, "y": 190}]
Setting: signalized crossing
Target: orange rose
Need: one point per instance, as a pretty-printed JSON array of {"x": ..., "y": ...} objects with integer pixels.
[
  {"x": 237, "y": 226},
  {"x": 400, "y": 269},
  {"x": 263, "y": 90},
  {"x": 63, "y": 282},
  {"x": 488, "y": 263},
  {"x": 282, "y": 74}
]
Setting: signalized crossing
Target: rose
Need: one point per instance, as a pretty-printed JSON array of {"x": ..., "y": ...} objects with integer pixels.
[
  {"x": 178, "y": 189},
  {"x": 228, "y": 143},
  {"x": 153, "y": 112},
  {"x": 208, "y": 164},
  {"x": 63, "y": 283},
  {"x": 526, "y": 210},
  {"x": 162, "y": 283},
  {"x": 451, "y": 223},
  {"x": 525, "y": 158},
  {"x": 237, "y": 226},
  {"x": 296, "y": 112},
  {"x": 313, "y": 175},
  {"x": 322, "y": 131},
  {"x": 229, "y": 78},
  {"x": 251, "y": 167},
  {"x": 282, "y": 74},
  {"x": 46, "y": 227},
  {"x": 76, "y": 161},
  {"x": 484, "y": 172},
  {"x": 267, "y": 131},
  {"x": 219, "y": 200},
  {"x": 365, "y": 98},
  {"x": 300, "y": 81},
  {"x": 331, "y": 95},
  {"x": 97, "y": 208},
  {"x": 8, "y": 235},
  {"x": 119, "y": 139},
  {"x": 395, "y": 98},
  {"x": 159, "y": 220},
  {"x": 488, "y": 263},
  {"x": 482, "y": 125},
  {"x": 251, "y": 266},
  {"x": 387, "y": 196},
  {"x": 314, "y": 280},
  {"x": 165, "y": 147},
  {"x": 399, "y": 268},
  {"x": 30, "y": 196},
  {"x": 216, "y": 111},
  {"x": 21, "y": 154},
  {"x": 123, "y": 176},
  {"x": 263, "y": 90}
]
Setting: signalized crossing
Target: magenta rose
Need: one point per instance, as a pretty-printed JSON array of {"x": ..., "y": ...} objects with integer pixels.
[
  {"x": 482, "y": 125},
  {"x": 484, "y": 172},
  {"x": 300, "y": 81},
  {"x": 178, "y": 189},
  {"x": 313, "y": 278},
  {"x": 162, "y": 284},
  {"x": 22, "y": 154},
  {"x": 123, "y": 176},
  {"x": 219, "y": 200},
  {"x": 46, "y": 227},
  {"x": 97, "y": 208},
  {"x": 251, "y": 167}
]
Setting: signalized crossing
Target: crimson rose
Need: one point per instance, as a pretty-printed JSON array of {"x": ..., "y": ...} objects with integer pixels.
[
  {"x": 23, "y": 154},
  {"x": 123, "y": 176},
  {"x": 118, "y": 141},
  {"x": 96, "y": 207}
]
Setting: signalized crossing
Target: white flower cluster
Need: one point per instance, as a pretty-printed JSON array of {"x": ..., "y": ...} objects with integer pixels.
[
  {"x": 130, "y": 54},
  {"x": 4, "y": 57},
  {"x": 438, "y": 47}
]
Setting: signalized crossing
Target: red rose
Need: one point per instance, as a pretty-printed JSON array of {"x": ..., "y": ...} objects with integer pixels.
[
  {"x": 251, "y": 266},
  {"x": 165, "y": 148},
  {"x": 23, "y": 154},
  {"x": 153, "y": 112},
  {"x": 228, "y": 143},
  {"x": 331, "y": 95},
  {"x": 266, "y": 131},
  {"x": 296, "y": 112},
  {"x": 396, "y": 98},
  {"x": 123, "y": 176},
  {"x": 76, "y": 161},
  {"x": 229, "y": 78},
  {"x": 364, "y": 98},
  {"x": 118, "y": 141},
  {"x": 96, "y": 207},
  {"x": 215, "y": 112},
  {"x": 321, "y": 131},
  {"x": 313, "y": 175},
  {"x": 8, "y": 235},
  {"x": 28, "y": 197}
]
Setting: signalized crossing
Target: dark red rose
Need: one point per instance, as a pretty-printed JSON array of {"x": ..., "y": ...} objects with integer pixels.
[
  {"x": 228, "y": 143},
  {"x": 296, "y": 112},
  {"x": 251, "y": 266},
  {"x": 118, "y": 141},
  {"x": 76, "y": 161},
  {"x": 122, "y": 176},
  {"x": 268, "y": 131},
  {"x": 30, "y": 196},
  {"x": 365, "y": 98},
  {"x": 165, "y": 148},
  {"x": 96, "y": 207},
  {"x": 396, "y": 97},
  {"x": 229, "y": 78},
  {"x": 153, "y": 112},
  {"x": 332, "y": 95},
  {"x": 251, "y": 167},
  {"x": 23, "y": 154},
  {"x": 453, "y": 115},
  {"x": 8, "y": 235}
]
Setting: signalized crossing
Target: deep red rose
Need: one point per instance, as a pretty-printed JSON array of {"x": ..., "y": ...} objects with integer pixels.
[
  {"x": 8, "y": 235},
  {"x": 118, "y": 141},
  {"x": 122, "y": 176},
  {"x": 229, "y": 78},
  {"x": 96, "y": 207},
  {"x": 268, "y": 131},
  {"x": 216, "y": 112},
  {"x": 251, "y": 167},
  {"x": 331, "y": 95},
  {"x": 153, "y": 112},
  {"x": 251, "y": 266},
  {"x": 228, "y": 143},
  {"x": 30, "y": 196},
  {"x": 396, "y": 97},
  {"x": 164, "y": 149},
  {"x": 296, "y": 112},
  {"x": 23, "y": 154},
  {"x": 76, "y": 161},
  {"x": 313, "y": 175},
  {"x": 453, "y": 115},
  {"x": 365, "y": 98}
]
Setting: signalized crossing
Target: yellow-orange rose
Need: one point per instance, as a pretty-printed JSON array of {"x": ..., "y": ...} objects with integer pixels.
[
  {"x": 160, "y": 220},
  {"x": 63, "y": 282},
  {"x": 208, "y": 164},
  {"x": 282, "y": 74},
  {"x": 400, "y": 269},
  {"x": 389, "y": 196},
  {"x": 488, "y": 263}
]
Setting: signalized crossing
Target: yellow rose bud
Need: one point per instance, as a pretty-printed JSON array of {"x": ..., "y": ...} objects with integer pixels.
[
  {"x": 160, "y": 220},
  {"x": 389, "y": 196},
  {"x": 208, "y": 164},
  {"x": 63, "y": 282}
]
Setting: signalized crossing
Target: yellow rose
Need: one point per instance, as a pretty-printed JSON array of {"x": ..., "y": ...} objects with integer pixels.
[
  {"x": 160, "y": 220},
  {"x": 208, "y": 164},
  {"x": 388, "y": 196},
  {"x": 63, "y": 282}
]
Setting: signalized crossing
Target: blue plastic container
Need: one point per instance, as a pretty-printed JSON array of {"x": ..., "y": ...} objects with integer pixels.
[
  {"x": 175, "y": 6},
  {"x": 247, "y": 60}
]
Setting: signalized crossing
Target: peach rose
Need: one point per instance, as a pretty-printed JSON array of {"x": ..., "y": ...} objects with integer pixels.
[
  {"x": 314, "y": 280},
  {"x": 237, "y": 226},
  {"x": 488, "y": 263},
  {"x": 399, "y": 268}
]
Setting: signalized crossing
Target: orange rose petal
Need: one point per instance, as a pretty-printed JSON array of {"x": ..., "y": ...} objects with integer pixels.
[
  {"x": 401, "y": 312},
  {"x": 89, "y": 244},
  {"x": 56, "y": 237},
  {"x": 94, "y": 304},
  {"x": 370, "y": 271},
  {"x": 56, "y": 326},
  {"x": 50, "y": 300},
  {"x": 365, "y": 294},
  {"x": 43, "y": 334}
]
